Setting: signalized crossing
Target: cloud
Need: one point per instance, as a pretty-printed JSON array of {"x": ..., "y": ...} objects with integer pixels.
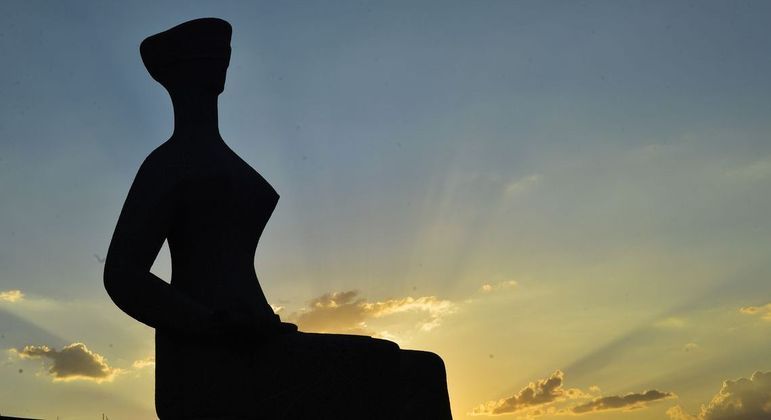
[
  {"x": 143, "y": 363},
  {"x": 677, "y": 413},
  {"x": 742, "y": 399},
  {"x": 547, "y": 396},
  {"x": 764, "y": 311},
  {"x": 533, "y": 399},
  {"x": 73, "y": 362},
  {"x": 691, "y": 347},
  {"x": 346, "y": 312},
  {"x": 11, "y": 296},
  {"x": 627, "y": 402},
  {"x": 489, "y": 287},
  {"x": 522, "y": 185},
  {"x": 671, "y": 322},
  {"x": 434, "y": 308},
  {"x": 757, "y": 170}
]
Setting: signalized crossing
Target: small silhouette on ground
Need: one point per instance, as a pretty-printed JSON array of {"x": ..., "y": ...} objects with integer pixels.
[{"x": 221, "y": 352}]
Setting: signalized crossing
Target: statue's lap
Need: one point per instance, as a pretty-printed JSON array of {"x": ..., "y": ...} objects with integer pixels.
[{"x": 286, "y": 376}]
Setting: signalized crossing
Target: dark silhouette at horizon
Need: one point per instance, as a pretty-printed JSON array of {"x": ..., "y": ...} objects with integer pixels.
[{"x": 221, "y": 351}]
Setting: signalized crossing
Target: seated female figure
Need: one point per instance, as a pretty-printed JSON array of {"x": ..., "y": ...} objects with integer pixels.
[{"x": 221, "y": 352}]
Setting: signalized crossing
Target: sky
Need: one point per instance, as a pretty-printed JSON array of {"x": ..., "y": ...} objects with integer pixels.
[{"x": 566, "y": 200}]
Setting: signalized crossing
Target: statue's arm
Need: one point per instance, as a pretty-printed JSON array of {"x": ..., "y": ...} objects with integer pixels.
[{"x": 139, "y": 234}]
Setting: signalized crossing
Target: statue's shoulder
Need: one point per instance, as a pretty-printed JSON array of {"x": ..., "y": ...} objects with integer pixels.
[{"x": 162, "y": 170}]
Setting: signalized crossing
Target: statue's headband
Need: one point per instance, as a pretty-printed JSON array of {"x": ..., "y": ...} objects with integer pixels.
[{"x": 195, "y": 39}]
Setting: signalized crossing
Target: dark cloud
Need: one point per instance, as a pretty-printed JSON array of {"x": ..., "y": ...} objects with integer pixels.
[
  {"x": 742, "y": 399},
  {"x": 73, "y": 361},
  {"x": 616, "y": 402},
  {"x": 547, "y": 396},
  {"x": 533, "y": 398}
]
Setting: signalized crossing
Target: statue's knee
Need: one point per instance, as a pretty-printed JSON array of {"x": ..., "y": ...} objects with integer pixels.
[
  {"x": 435, "y": 362},
  {"x": 425, "y": 361},
  {"x": 391, "y": 345},
  {"x": 386, "y": 345}
]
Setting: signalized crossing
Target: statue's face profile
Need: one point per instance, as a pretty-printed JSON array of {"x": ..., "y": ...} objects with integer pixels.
[{"x": 195, "y": 74}]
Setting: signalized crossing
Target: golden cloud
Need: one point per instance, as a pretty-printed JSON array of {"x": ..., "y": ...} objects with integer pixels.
[
  {"x": 11, "y": 296},
  {"x": 742, "y": 399},
  {"x": 73, "y": 362},
  {"x": 143, "y": 363},
  {"x": 678, "y": 413},
  {"x": 490, "y": 287},
  {"x": 346, "y": 312},
  {"x": 764, "y": 311}
]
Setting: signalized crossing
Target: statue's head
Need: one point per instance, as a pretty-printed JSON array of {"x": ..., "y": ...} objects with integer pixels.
[{"x": 191, "y": 55}]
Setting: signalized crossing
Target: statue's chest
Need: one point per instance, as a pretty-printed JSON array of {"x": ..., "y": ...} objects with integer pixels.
[{"x": 236, "y": 198}]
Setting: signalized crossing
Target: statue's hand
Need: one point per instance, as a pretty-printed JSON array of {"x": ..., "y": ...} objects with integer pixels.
[{"x": 242, "y": 321}]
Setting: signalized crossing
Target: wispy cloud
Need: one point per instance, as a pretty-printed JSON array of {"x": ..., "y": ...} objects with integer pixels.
[
  {"x": 143, "y": 363},
  {"x": 631, "y": 401},
  {"x": 522, "y": 185},
  {"x": 691, "y": 347},
  {"x": 491, "y": 287},
  {"x": 11, "y": 296},
  {"x": 764, "y": 311},
  {"x": 756, "y": 170},
  {"x": 671, "y": 322},
  {"x": 73, "y": 362},
  {"x": 742, "y": 399}
]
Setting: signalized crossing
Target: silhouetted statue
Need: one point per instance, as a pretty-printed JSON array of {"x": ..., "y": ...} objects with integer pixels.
[{"x": 221, "y": 352}]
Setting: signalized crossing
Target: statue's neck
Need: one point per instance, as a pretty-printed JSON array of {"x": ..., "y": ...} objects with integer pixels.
[{"x": 195, "y": 116}]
